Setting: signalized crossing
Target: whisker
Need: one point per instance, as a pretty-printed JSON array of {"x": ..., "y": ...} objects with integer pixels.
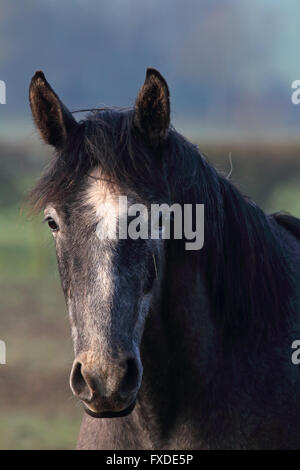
[{"x": 155, "y": 267}]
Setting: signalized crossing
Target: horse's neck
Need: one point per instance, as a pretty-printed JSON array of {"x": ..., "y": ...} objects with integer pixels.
[
  {"x": 188, "y": 370},
  {"x": 175, "y": 353}
]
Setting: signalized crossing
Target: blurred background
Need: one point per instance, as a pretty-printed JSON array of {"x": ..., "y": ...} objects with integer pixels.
[{"x": 229, "y": 65}]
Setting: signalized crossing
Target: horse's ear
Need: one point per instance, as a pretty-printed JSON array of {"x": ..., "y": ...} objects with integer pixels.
[
  {"x": 53, "y": 120},
  {"x": 152, "y": 108}
]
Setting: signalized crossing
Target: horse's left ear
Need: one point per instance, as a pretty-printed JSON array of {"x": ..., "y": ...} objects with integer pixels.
[
  {"x": 152, "y": 108},
  {"x": 53, "y": 120}
]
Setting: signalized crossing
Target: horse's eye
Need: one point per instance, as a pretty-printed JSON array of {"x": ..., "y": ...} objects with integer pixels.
[{"x": 52, "y": 224}]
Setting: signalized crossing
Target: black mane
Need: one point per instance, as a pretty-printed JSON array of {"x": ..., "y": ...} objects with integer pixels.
[{"x": 242, "y": 256}]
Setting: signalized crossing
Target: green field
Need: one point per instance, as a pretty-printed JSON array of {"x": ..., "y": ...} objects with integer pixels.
[{"x": 36, "y": 407}]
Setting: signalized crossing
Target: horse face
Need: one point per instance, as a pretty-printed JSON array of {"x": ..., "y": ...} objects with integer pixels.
[{"x": 109, "y": 284}]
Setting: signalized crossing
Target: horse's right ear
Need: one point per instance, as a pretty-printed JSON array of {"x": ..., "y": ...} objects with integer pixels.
[
  {"x": 152, "y": 108},
  {"x": 53, "y": 120}
]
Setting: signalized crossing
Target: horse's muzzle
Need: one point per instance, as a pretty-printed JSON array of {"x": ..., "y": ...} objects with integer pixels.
[{"x": 106, "y": 394}]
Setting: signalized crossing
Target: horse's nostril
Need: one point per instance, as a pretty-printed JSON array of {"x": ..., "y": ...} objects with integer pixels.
[
  {"x": 121, "y": 380},
  {"x": 131, "y": 378},
  {"x": 78, "y": 382}
]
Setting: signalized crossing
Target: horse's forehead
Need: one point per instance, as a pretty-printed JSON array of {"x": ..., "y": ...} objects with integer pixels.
[
  {"x": 99, "y": 189},
  {"x": 100, "y": 192},
  {"x": 103, "y": 197}
]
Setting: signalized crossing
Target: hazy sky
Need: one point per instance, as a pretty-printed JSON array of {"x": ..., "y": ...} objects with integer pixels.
[{"x": 229, "y": 63}]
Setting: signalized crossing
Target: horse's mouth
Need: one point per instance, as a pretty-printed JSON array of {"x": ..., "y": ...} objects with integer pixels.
[{"x": 110, "y": 414}]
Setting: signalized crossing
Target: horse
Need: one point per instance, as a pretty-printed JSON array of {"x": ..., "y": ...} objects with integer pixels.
[{"x": 174, "y": 348}]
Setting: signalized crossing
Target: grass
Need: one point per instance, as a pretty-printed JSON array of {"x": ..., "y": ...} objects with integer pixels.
[
  {"x": 35, "y": 430},
  {"x": 37, "y": 409}
]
